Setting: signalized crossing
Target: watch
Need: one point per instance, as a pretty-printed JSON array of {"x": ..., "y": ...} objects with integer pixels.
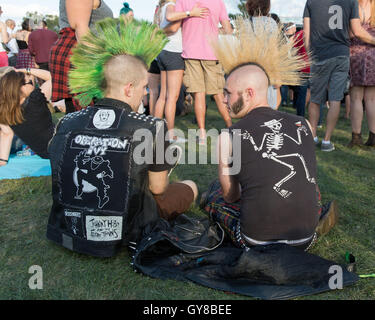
[{"x": 188, "y": 13}]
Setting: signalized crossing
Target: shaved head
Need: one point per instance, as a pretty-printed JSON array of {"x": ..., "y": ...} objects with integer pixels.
[
  {"x": 246, "y": 88},
  {"x": 251, "y": 76},
  {"x": 121, "y": 70},
  {"x": 126, "y": 80}
]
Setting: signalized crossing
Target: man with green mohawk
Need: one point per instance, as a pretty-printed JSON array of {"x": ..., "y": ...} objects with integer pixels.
[{"x": 109, "y": 170}]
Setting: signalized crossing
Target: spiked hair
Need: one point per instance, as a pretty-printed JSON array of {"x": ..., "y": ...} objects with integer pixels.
[
  {"x": 256, "y": 44},
  {"x": 112, "y": 37}
]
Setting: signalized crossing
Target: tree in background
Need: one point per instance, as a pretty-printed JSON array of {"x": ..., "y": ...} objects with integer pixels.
[
  {"x": 35, "y": 18},
  {"x": 242, "y": 8},
  {"x": 52, "y": 22}
]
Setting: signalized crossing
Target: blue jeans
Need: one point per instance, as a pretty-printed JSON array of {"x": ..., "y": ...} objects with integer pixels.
[{"x": 284, "y": 95}]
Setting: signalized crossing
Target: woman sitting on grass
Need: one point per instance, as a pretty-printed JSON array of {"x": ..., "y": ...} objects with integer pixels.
[{"x": 24, "y": 113}]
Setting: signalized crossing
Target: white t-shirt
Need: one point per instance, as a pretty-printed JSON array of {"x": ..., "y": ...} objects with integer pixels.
[
  {"x": 271, "y": 26},
  {"x": 272, "y": 97},
  {"x": 175, "y": 40},
  {"x": 267, "y": 22},
  {"x": 1, "y": 41},
  {"x": 12, "y": 45}
]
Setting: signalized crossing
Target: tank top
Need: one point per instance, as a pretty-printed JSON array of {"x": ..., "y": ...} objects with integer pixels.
[
  {"x": 22, "y": 45},
  {"x": 175, "y": 40},
  {"x": 277, "y": 176},
  {"x": 102, "y": 12}
]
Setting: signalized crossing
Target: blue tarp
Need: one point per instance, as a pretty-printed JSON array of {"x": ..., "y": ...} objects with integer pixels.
[{"x": 27, "y": 166}]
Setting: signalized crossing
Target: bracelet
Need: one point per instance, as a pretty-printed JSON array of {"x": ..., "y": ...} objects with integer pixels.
[
  {"x": 28, "y": 71},
  {"x": 4, "y": 160}
]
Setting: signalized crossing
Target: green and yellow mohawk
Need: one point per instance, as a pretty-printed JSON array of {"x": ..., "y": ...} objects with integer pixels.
[{"x": 113, "y": 37}]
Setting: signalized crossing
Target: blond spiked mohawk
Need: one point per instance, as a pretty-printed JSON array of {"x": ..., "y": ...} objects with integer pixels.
[
  {"x": 113, "y": 37},
  {"x": 256, "y": 43}
]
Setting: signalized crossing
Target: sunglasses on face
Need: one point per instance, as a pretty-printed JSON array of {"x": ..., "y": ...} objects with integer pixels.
[{"x": 30, "y": 82}]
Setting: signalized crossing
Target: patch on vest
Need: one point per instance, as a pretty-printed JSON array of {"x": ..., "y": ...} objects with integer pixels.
[
  {"x": 95, "y": 172},
  {"x": 100, "y": 145},
  {"x": 105, "y": 119},
  {"x": 73, "y": 220},
  {"x": 100, "y": 228}
]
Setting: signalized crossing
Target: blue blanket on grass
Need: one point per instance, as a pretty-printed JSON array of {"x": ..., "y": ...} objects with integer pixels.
[{"x": 22, "y": 167}]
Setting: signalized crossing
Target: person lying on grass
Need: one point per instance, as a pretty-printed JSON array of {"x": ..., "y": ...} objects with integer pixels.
[{"x": 24, "y": 114}]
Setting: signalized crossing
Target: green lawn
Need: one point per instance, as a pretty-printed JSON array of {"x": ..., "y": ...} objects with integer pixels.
[{"x": 345, "y": 174}]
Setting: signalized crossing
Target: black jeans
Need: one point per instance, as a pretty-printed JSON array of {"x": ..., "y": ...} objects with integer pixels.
[{"x": 299, "y": 99}]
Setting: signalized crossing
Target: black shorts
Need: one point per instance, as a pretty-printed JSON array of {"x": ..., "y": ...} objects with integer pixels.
[
  {"x": 169, "y": 61},
  {"x": 154, "y": 68}
]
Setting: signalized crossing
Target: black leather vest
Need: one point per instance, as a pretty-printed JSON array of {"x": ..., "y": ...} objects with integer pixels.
[{"x": 101, "y": 199}]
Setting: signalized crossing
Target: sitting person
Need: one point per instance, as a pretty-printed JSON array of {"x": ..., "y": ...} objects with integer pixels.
[
  {"x": 104, "y": 193},
  {"x": 24, "y": 113},
  {"x": 273, "y": 196}
]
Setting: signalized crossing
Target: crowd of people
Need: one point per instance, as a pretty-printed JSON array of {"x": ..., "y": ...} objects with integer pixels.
[{"x": 99, "y": 76}]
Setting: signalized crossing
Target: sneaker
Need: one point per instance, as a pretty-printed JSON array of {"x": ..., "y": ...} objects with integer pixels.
[
  {"x": 316, "y": 141},
  {"x": 327, "y": 147},
  {"x": 177, "y": 140},
  {"x": 202, "y": 141},
  {"x": 328, "y": 218}
]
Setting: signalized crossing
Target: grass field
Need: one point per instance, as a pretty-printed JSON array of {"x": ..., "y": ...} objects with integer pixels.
[{"x": 347, "y": 175}]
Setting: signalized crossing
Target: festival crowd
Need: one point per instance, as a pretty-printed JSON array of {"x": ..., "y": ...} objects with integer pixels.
[{"x": 112, "y": 77}]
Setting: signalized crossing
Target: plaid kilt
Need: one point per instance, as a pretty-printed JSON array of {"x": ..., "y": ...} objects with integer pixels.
[
  {"x": 59, "y": 64},
  {"x": 24, "y": 60},
  {"x": 228, "y": 215}
]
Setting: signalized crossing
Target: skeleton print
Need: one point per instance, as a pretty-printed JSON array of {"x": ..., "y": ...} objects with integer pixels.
[{"x": 273, "y": 143}]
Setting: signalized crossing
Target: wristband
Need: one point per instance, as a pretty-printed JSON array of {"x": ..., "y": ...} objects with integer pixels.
[
  {"x": 28, "y": 71},
  {"x": 4, "y": 160}
]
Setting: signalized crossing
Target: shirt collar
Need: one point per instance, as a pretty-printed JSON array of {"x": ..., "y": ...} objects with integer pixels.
[{"x": 108, "y": 102}]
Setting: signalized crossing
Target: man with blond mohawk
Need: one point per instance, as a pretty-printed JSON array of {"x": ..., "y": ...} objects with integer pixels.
[{"x": 274, "y": 198}]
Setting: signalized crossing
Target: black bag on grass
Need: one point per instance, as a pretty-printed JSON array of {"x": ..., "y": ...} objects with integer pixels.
[{"x": 275, "y": 271}]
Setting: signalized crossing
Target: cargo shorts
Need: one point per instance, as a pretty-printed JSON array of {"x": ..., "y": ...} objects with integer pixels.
[{"x": 204, "y": 76}]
